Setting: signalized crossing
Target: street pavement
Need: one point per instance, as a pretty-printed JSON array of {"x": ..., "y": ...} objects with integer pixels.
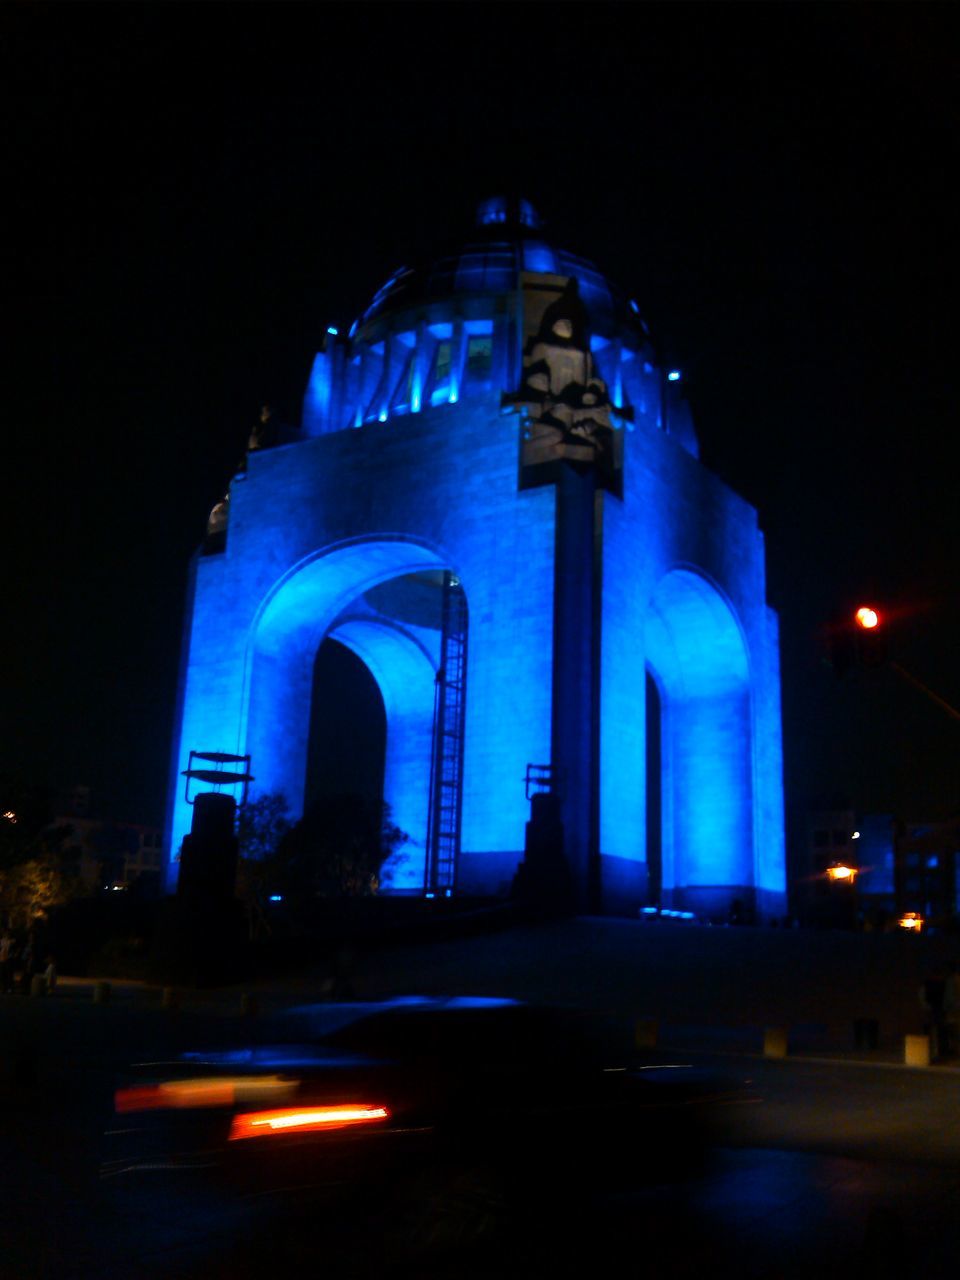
[
  {"x": 692, "y": 986},
  {"x": 686, "y": 987},
  {"x": 847, "y": 1163},
  {"x": 751, "y": 991}
]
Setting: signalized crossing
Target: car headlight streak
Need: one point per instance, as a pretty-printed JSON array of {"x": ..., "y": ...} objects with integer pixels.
[{"x": 260, "y": 1124}]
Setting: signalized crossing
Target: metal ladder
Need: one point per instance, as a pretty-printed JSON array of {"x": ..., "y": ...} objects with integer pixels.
[{"x": 446, "y": 770}]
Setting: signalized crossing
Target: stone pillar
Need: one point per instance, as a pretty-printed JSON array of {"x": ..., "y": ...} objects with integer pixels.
[{"x": 575, "y": 735}]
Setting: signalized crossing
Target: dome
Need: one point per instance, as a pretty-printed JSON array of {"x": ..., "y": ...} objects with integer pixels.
[{"x": 507, "y": 239}]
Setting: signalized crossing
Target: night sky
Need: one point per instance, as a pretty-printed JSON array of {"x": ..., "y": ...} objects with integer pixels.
[{"x": 194, "y": 192}]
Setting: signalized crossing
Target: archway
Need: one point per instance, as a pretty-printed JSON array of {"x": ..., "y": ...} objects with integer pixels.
[
  {"x": 697, "y": 656},
  {"x": 381, "y": 599}
]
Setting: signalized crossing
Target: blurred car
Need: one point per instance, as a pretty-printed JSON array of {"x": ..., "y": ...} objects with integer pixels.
[{"x": 442, "y": 1119}]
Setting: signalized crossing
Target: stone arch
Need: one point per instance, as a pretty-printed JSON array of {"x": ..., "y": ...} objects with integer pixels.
[
  {"x": 322, "y": 598},
  {"x": 696, "y": 654}
]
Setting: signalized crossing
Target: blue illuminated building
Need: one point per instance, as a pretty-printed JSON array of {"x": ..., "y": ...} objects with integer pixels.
[{"x": 495, "y": 501}]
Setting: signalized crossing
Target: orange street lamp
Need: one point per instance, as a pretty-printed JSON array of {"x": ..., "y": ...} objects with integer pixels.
[
  {"x": 911, "y": 921},
  {"x": 867, "y": 617},
  {"x": 870, "y": 650},
  {"x": 841, "y": 873}
]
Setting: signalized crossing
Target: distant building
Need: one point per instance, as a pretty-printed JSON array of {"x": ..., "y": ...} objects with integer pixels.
[
  {"x": 495, "y": 501},
  {"x": 822, "y": 838},
  {"x": 875, "y": 861},
  {"x": 901, "y": 866},
  {"x": 926, "y": 869},
  {"x": 104, "y": 854},
  {"x": 909, "y": 866}
]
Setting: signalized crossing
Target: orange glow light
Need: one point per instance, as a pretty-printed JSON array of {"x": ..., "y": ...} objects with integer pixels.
[
  {"x": 867, "y": 618},
  {"x": 842, "y": 872},
  {"x": 203, "y": 1091},
  {"x": 262, "y": 1124},
  {"x": 911, "y": 920}
]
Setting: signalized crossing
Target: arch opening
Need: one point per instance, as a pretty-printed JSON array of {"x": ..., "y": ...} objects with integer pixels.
[
  {"x": 697, "y": 665},
  {"x": 348, "y": 728},
  {"x": 358, "y": 627}
]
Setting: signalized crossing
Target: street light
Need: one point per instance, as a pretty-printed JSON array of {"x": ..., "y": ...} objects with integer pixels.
[
  {"x": 867, "y": 618},
  {"x": 858, "y": 640},
  {"x": 871, "y": 651},
  {"x": 871, "y": 640},
  {"x": 842, "y": 894}
]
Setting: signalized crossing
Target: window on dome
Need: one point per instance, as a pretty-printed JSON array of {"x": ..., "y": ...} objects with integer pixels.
[
  {"x": 479, "y": 358},
  {"x": 440, "y": 381},
  {"x": 539, "y": 257},
  {"x": 406, "y": 397},
  {"x": 373, "y": 391}
]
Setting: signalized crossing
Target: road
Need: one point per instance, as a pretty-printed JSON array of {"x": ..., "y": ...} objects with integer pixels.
[{"x": 837, "y": 1168}]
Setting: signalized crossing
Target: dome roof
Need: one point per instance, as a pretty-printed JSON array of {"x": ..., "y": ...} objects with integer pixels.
[{"x": 508, "y": 238}]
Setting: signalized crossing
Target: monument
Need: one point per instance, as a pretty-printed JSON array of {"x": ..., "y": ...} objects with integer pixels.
[{"x": 495, "y": 501}]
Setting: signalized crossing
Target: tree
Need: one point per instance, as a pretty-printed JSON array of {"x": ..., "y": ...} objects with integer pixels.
[
  {"x": 34, "y": 879},
  {"x": 335, "y": 850},
  {"x": 261, "y": 826},
  {"x": 33, "y": 888},
  {"x": 32, "y": 876},
  {"x": 338, "y": 847}
]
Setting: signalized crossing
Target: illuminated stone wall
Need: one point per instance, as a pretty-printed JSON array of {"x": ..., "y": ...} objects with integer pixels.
[
  {"x": 315, "y": 525},
  {"x": 684, "y": 597}
]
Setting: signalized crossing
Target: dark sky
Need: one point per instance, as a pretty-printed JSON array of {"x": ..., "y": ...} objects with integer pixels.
[{"x": 196, "y": 191}]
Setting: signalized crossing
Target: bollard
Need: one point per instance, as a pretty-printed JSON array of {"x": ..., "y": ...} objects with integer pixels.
[
  {"x": 38, "y": 985},
  {"x": 775, "y": 1042},
  {"x": 101, "y": 992},
  {"x": 916, "y": 1051},
  {"x": 248, "y": 1004},
  {"x": 645, "y": 1033},
  {"x": 169, "y": 999}
]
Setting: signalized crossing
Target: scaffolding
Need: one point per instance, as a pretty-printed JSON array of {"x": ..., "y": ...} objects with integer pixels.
[{"x": 446, "y": 767}]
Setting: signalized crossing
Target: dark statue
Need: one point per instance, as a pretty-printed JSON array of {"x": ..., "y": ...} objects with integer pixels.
[{"x": 564, "y": 401}]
